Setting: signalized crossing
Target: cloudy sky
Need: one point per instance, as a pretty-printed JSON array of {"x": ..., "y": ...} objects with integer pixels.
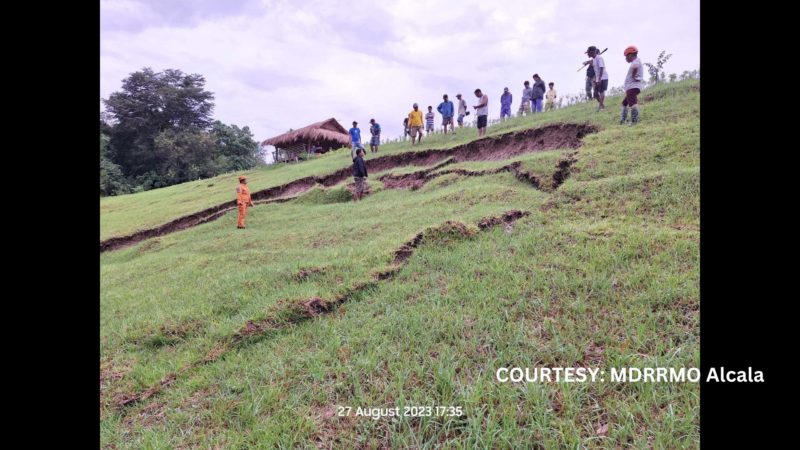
[{"x": 279, "y": 64}]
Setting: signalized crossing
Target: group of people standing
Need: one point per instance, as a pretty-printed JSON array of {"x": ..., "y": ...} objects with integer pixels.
[
  {"x": 597, "y": 80},
  {"x": 413, "y": 123},
  {"x": 532, "y": 97},
  {"x": 355, "y": 137},
  {"x": 531, "y": 102}
]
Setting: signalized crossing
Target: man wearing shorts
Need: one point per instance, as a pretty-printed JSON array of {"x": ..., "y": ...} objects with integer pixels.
[
  {"x": 375, "y": 131},
  {"x": 446, "y": 110},
  {"x": 482, "y": 111},
  {"x": 633, "y": 86},
  {"x": 415, "y": 124},
  {"x": 600, "y": 76}
]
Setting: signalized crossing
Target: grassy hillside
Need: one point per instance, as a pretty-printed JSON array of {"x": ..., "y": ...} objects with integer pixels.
[
  {"x": 121, "y": 215},
  {"x": 254, "y": 337}
]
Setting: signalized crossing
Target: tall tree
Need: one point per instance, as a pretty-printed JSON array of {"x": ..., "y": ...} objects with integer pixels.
[{"x": 151, "y": 103}]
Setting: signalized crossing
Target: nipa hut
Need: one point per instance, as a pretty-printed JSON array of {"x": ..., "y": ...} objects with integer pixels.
[{"x": 318, "y": 137}]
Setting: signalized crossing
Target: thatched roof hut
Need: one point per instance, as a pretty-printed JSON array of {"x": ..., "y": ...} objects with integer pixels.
[{"x": 318, "y": 137}]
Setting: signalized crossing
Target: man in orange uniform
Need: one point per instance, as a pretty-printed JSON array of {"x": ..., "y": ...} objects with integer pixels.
[{"x": 242, "y": 200}]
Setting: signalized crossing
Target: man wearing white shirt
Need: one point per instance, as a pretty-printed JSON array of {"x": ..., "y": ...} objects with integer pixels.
[{"x": 600, "y": 76}]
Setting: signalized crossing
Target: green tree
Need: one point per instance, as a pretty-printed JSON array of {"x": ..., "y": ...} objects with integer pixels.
[
  {"x": 235, "y": 147},
  {"x": 186, "y": 154},
  {"x": 149, "y": 104},
  {"x": 112, "y": 181}
]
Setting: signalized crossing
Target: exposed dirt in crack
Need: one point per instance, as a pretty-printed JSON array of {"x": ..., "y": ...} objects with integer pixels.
[
  {"x": 564, "y": 169},
  {"x": 493, "y": 148},
  {"x": 506, "y": 217},
  {"x": 407, "y": 249},
  {"x": 415, "y": 180},
  {"x": 316, "y": 306}
]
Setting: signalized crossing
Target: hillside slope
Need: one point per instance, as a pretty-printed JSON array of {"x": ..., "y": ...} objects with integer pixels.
[{"x": 582, "y": 256}]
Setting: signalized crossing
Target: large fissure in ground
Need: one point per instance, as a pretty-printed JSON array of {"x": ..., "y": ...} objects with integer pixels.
[
  {"x": 292, "y": 312},
  {"x": 493, "y": 148}
]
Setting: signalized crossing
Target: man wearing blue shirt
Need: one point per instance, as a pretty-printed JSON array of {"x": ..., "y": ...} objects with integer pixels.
[
  {"x": 446, "y": 109},
  {"x": 375, "y": 131},
  {"x": 355, "y": 140},
  {"x": 505, "y": 104}
]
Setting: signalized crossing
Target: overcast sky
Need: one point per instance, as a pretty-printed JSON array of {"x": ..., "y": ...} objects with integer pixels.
[{"x": 279, "y": 64}]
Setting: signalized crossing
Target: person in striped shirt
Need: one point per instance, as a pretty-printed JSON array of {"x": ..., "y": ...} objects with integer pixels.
[{"x": 429, "y": 116}]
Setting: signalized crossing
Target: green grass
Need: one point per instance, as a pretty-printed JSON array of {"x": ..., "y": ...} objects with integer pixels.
[
  {"x": 125, "y": 214},
  {"x": 603, "y": 273}
]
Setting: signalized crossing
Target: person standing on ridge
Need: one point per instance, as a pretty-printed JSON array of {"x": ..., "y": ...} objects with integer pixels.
[
  {"x": 462, "y": 110},
  {"x": 415, "y": 123},
  {"x": 550, "y": 104},
  {"x": 355, "y": 140},
  {"x": 359, "y": 174},
  {"x": 525, "y": 106},
  {"x": 633, "y": 86},
  {"x": 446, "y": 110},
  {"x": 429, "y": 118},
  {"x": 537, "y": 93},
  {"x": 375, "y": 131},
  {"x": 505, "y": 104},
  {"x": 600, "y": 83},
  {"x": 243, "y": 200},
  {"x": 482, "y": 111}
]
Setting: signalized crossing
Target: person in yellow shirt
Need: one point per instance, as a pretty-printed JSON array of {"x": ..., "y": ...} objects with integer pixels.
[
  {"x": 415, "y": 123},
  {"x": 243, "y": 200},
  {"x": 550, "y": 104}
]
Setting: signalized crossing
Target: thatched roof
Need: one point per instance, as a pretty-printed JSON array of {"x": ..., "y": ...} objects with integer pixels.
[{"x": 327, "y": 130}]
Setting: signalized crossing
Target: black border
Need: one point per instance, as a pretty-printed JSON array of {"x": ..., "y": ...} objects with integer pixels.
[
  {"x": 745, "y": 228},
  {"x": 58, "y": 92}
]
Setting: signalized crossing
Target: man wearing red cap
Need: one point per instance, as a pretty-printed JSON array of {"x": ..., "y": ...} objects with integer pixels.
[
  {"x": 243, "y": 200},
  {"x": 633, "y": 85}
]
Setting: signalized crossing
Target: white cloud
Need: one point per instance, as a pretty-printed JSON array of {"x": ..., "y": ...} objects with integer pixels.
[{"x": 276, "y": 65}]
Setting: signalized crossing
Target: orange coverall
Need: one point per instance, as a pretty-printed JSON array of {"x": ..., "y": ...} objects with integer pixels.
[{"x": 242, "y": 201}]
